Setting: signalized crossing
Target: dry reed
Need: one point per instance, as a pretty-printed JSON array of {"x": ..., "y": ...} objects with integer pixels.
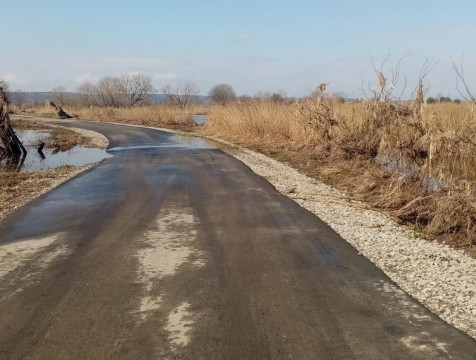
[{"x": 152, "y": 115}]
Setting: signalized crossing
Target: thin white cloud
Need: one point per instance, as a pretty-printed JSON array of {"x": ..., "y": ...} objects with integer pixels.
[
  {"x": 10, "y": 77},
  {"x": 132, "y": 62},
  {"x": 86, "y": 78},
  {"x": 166, "y": 76},
  {"x": 240, "y": 37},
  {"x": 13, "y": 80}
]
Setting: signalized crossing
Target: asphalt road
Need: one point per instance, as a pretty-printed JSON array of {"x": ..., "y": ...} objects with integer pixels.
[{"x": 172, "y": 250}]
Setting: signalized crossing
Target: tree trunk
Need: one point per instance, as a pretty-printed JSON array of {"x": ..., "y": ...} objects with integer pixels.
[{"x": 10, "y": 145}]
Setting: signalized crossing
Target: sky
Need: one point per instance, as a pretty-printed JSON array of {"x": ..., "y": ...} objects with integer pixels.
[{"x": 255, "y": 46}]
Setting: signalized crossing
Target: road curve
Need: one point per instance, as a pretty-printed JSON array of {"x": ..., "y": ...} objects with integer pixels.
[{"x": 174, "y": 250}]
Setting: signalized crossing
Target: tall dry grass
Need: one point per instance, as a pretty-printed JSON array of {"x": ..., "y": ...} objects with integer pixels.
[
  {"x": 150, "y": 115},
  {"x": 259, "y": 124},
  {"x": 343, "y": 143}
]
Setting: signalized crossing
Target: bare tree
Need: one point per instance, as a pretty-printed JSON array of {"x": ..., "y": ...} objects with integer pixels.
[
  {"x": 137, "y": 88},
  {"x": 460, "y": 78},
  {"x": 10, "y": 145},
  {"x": 130, "y": 90},
  {"x": 222, "y": 94},
  {"x": 88, "y": 94},
  {"x": 181, "y": 95},
  {"x": 278, "y": 97},
  {"x": 58, "y": 95},
  {"x": 17, "y": 98},
  {"x": 245, "y": 98},
  {"x": 262, "y": 96},
  {"x": 111, "y": 92}
]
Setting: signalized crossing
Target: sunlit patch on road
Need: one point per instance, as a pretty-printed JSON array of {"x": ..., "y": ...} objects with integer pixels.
[
  {"x": 168, "y": 244},
  {"x": 178, "y": 325},
  {"x": 15, "y": 254},
  {"x": 22, "y": 260}
]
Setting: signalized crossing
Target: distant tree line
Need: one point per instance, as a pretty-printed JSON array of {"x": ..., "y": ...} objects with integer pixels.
[
  {"x": 137, "y": 89},
  {"x": 441, "y": 99}
]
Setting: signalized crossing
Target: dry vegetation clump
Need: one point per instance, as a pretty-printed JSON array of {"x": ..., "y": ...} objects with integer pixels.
[{"x": 431, "y": 184}]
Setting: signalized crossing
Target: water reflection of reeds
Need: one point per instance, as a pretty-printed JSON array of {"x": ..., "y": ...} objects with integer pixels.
[{"x": 440, "y": 173}]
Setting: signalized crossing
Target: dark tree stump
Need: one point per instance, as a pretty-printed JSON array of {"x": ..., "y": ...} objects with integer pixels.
[{"x": 10, "y": 145}]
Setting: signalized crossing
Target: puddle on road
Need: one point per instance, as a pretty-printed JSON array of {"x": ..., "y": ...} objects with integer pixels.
[
  {"x": 36, "y": 253},
  {"x": 192, "y": 142},
  {"x": 176, "y": 141},
  {"x": 77, "y": 156}
]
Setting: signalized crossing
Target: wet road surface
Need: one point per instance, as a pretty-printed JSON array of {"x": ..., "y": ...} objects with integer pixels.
[{"x": 173, "y": 250}]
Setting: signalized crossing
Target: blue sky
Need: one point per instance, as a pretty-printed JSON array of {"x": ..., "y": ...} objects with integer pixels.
[{"x": 252, "y": 45}]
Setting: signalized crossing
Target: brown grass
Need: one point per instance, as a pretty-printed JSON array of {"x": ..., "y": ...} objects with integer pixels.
[{"x": 152, "y": 115}]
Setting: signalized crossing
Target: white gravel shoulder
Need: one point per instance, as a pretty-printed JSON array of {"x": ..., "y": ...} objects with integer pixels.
[{"x": 441, "y": 278}]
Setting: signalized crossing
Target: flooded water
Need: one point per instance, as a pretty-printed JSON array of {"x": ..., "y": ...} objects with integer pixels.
[
  {"x": 192, "y": 142},
  {"x": 177, "y": 141},
  {"x": 395, "y": 163},
  {"x": 31, "y": 138},
  {"x": 413, "y": 170},
  {"x": 77, "y": 156},
  {"x": 199, "y": 119}
]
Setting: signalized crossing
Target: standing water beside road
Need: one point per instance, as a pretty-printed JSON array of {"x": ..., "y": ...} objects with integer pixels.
[{"x": 53, "y": 156}]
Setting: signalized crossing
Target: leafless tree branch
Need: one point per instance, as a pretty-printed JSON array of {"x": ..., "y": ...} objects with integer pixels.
[{"x": 467, "y": 94}]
